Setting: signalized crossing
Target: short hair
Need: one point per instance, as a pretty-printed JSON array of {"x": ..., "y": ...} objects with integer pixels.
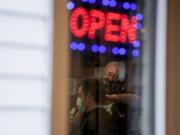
[
  {"x": 112, "y": 63},
  {"x": 94, "y": 87}
]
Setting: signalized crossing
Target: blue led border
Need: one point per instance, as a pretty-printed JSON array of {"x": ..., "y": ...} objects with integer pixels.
[
  {"x": 107, "y": 3},
  {"x": 102, "y": 49}
]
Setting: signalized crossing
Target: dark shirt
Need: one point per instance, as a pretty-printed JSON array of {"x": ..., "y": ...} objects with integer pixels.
[
  {"x": 125, "y": 119},
  {"x": 95, "y": 122}
]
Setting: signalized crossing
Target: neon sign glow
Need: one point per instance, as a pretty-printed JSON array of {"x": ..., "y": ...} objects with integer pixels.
[
  {"x": 105, "y": 26},
  {"x": 84, "y": 23}
]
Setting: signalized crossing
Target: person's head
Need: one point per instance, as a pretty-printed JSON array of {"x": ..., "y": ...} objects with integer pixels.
[
  {"x": 112, "y": 70},
  {"x": 90, "y": 93}
]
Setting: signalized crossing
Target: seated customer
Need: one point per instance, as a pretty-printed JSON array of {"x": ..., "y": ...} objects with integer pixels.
[{"x": 95, "y": 120}]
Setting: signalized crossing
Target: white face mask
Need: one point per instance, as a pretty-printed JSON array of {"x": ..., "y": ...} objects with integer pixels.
[{"x": 80, "y": 105}]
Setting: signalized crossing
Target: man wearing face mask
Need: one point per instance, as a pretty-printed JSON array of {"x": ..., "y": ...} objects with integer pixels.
[
  {"x": 95, "y": 120},
  {"x": 120, "y": 103}
]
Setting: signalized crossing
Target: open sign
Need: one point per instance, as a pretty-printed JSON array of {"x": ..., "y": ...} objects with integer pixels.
[{"x": 117, "y": 27}]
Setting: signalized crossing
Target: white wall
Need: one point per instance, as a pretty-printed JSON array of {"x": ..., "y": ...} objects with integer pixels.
[{"x": 25, "y": 67}]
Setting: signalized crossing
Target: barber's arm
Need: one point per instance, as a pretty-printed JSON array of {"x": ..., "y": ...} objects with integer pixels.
[{"x": 128, "y": 98}]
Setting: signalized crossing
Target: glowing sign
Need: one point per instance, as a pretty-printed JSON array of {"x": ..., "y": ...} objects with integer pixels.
[
  {"x": 105, "y": 27},
  {"x": 117, "y": 27},
  {"x": 77, "y": 14}
]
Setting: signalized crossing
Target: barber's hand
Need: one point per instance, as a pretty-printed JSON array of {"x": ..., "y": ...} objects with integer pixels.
[
  {"x": 113, "y": 97},
  {"x": 125, "y": 97}
]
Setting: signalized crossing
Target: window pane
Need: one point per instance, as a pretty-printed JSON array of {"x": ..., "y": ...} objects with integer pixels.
[{"x": 112, "y": 45}]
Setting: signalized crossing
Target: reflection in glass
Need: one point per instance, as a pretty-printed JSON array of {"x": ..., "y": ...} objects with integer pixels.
[{"x": 106, "y": 44}]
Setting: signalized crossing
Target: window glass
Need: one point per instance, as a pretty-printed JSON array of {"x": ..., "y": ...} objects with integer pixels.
[{"x": 109, "y": 70}]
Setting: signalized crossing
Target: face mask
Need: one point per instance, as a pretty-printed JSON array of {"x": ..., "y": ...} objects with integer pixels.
[
  {"x": 106, "y": 80},
  {"x": 80, "y": 105}
]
